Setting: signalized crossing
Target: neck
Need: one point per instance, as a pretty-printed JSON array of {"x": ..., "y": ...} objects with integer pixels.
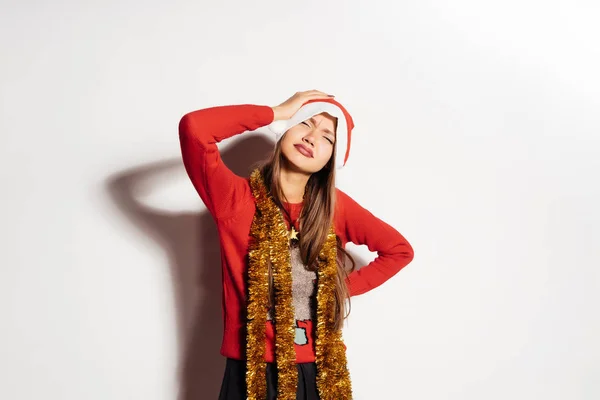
[{"x": 293, "y": 184}]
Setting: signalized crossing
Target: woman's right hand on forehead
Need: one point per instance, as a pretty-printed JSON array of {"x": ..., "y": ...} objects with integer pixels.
[{"x": 289, "y": 107}]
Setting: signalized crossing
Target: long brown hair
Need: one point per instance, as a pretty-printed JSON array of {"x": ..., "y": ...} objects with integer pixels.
[{"x": 316, "y": 217}]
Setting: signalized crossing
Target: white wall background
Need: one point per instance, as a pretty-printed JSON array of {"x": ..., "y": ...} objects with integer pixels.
[{"x": 477, "y": 137}]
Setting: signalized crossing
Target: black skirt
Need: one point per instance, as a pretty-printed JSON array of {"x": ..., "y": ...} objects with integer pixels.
[{"x": 234, "y": 381}]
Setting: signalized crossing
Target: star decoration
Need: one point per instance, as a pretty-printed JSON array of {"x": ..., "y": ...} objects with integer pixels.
[{"x": 294, "y": 234}]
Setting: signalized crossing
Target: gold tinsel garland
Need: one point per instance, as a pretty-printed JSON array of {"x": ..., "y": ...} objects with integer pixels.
[{"x": 270, "y": 243}]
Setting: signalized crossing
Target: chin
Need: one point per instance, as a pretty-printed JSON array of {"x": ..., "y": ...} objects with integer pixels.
[{"x": 301, "y": 164}]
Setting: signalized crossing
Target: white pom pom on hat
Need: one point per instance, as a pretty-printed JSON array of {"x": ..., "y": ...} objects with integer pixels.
[{"x": 345, "y": 124}]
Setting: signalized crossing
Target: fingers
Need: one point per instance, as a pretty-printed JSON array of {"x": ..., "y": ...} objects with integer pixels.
[
  {"x": 289, "y": 107},
  {"x": 315, "y": 94}
]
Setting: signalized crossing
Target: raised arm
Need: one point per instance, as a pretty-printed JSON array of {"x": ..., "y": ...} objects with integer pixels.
[
  {"x": 363, "y": 228},
  {"x": 199, "y": 133}
]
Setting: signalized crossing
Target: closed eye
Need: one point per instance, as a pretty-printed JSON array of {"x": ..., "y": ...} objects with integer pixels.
[{"x": 325, "y": 136}]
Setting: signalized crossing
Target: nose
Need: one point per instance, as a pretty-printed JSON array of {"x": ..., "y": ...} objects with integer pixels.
[{"x": 309, "y": 139}]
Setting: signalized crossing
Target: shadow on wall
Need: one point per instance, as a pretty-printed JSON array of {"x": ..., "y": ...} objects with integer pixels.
[{"x": 192, "y": 245}]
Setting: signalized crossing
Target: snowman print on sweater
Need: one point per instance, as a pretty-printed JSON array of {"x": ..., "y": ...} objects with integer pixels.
[{"x": 303, "y": 296}]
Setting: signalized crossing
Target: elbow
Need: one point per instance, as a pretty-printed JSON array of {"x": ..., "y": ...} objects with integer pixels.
[
  {"x": 185, "y": 125},
  {"x": 404, "y": 253},
  {"x": 409, "y": 254}
]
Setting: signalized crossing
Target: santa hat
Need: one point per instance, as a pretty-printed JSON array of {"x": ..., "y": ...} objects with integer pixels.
[{"x": 345, "y": 124}]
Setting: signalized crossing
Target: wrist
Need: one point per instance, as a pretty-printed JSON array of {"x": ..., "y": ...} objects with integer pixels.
[{"x": 276, "y": 113}]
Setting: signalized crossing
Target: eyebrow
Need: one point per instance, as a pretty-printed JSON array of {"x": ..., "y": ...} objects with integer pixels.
[{"x": 312, "y": 119}]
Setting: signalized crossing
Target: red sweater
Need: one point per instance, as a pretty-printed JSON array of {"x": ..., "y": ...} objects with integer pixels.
[{"x": 229, "y": 199}]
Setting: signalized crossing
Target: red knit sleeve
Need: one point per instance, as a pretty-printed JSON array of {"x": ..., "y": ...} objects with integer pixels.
[
  {"x": 363, "y": 228},
  {"x": 199, "y": 133}
]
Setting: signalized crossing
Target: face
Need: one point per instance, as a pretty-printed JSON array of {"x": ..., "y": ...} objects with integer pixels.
[{"x": 308, "y": 146}]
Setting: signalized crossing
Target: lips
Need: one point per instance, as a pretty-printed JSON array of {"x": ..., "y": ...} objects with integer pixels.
[{"x": 304, "y": 150}]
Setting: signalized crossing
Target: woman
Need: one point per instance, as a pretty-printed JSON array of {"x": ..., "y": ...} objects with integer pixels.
[{"x": 282, "y": 234}]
